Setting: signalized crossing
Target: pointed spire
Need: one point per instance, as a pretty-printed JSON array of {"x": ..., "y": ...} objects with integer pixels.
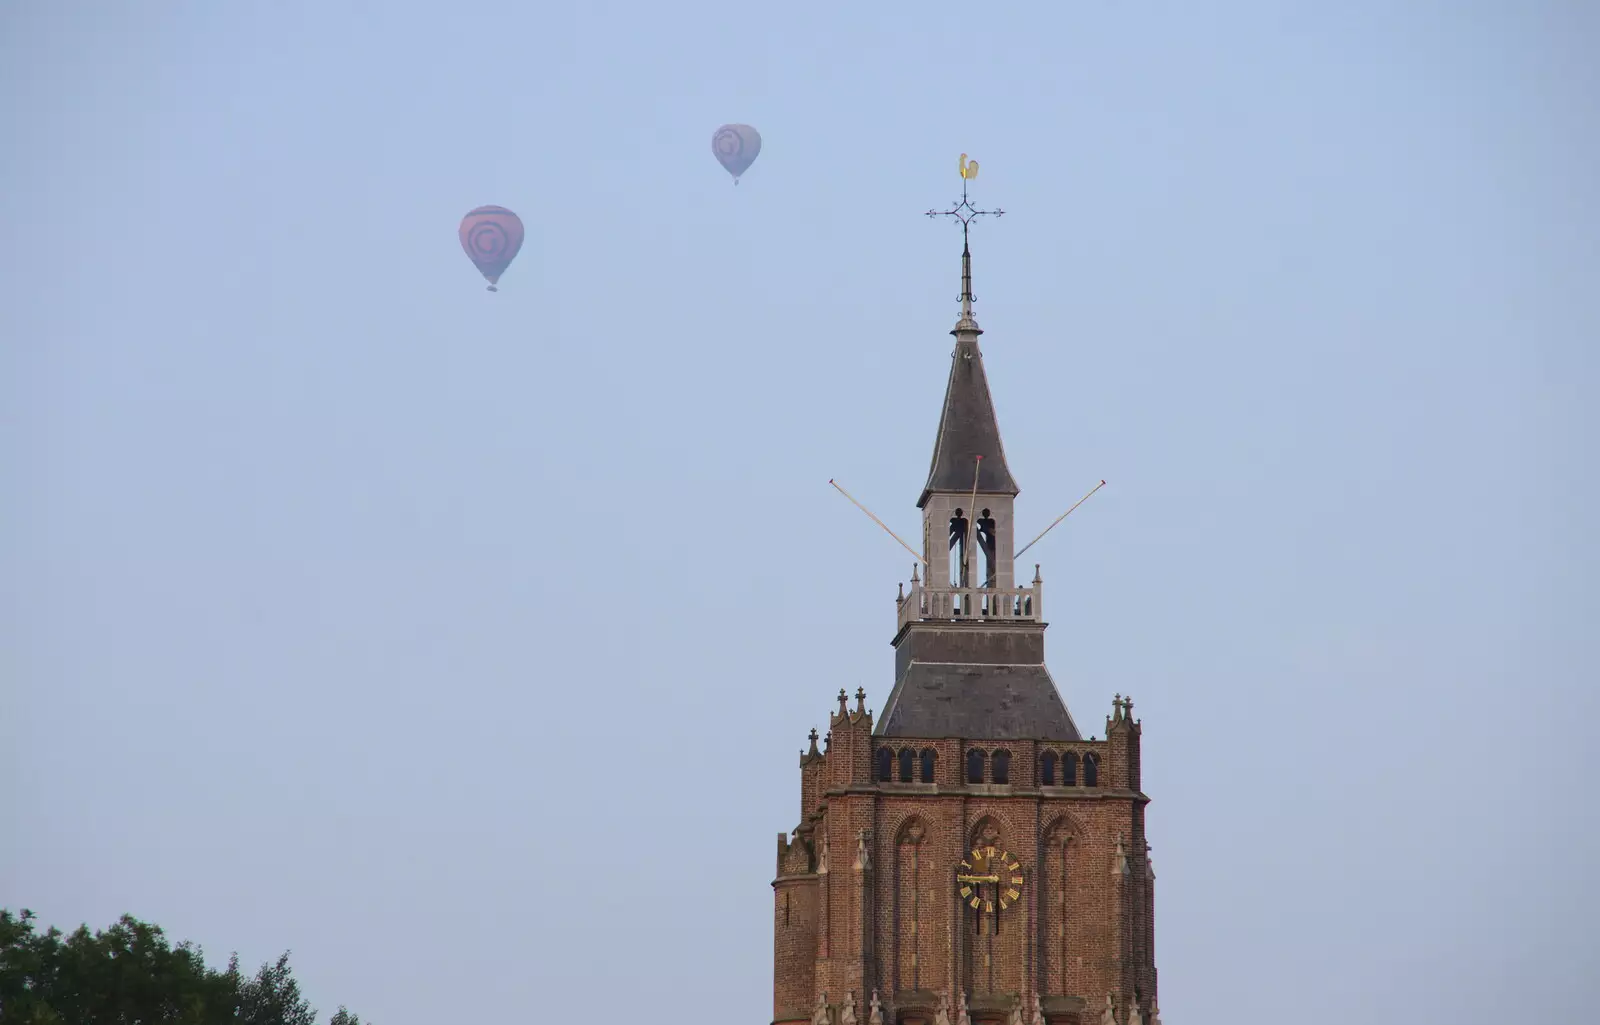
[
  {"x": 967, "y": 425},
  {"x": 967, "y": 324}
]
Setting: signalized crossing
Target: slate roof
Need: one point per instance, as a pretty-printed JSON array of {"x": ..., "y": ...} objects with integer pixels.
[
  {"x": 967, "y": 427},
  {"x": 979, "y": 702}
]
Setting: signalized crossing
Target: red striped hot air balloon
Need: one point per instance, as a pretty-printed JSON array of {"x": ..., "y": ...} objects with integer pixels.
[{"x": 491, "y": 235}]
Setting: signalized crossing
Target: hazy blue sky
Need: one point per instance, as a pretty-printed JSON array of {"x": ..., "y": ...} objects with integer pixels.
[{"x": 464, "y": 643}]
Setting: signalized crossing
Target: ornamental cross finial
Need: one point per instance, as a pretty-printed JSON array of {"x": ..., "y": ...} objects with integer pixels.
[{"x": 966, "y": 213}]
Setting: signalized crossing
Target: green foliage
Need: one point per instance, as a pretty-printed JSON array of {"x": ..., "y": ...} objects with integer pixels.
[{"x": 130, "y": 975}]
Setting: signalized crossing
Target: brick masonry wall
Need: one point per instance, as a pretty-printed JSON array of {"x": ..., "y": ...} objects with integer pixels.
[
  {"x": 1081, "y": 929},
  {"x": 794, "y": 949}
]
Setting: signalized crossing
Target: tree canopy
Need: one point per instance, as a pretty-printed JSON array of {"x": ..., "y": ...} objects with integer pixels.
[{"x": 130, "y": 975}]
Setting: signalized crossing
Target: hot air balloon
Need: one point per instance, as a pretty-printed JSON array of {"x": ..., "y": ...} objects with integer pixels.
[
  {"x": 736, "y": 148},
  {"x": 491, "y": 235}
]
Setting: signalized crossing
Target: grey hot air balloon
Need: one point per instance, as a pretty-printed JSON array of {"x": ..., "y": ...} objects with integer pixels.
[{"x": 736, "y": 148}]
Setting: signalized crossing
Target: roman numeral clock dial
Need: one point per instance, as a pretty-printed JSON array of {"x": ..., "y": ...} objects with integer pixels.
[{"x": 988, "y": 878}]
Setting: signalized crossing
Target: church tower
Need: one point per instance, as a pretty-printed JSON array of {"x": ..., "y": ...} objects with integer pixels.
[{"x": 967, "y": 857}]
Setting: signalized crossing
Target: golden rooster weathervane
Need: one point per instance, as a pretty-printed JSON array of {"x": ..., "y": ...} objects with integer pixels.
[{"x": 963, "y": 210}]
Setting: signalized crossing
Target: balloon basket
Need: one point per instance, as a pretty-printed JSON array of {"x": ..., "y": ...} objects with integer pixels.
[{"x": 493, "y": 289}]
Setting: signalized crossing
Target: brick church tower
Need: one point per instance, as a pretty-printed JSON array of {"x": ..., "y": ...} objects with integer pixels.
[{"x": 967, "y": 858}]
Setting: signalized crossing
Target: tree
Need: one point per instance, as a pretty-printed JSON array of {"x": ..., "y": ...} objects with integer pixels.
[
  {"x": 130, "y": 975},
  {"x": 272, "y": 997}
]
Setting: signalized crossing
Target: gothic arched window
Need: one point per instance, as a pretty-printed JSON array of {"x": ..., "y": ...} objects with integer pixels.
[
  {"x": 1069, "y": 769},
  {"x": 908, "y": 759},
  {"x": 1047, "y": 769},
  {"x": 1091, "y": 771},
  {"x": 927, "y": 765},
  {"x": 885, "y": 765},
  {"x": 974, "y": 766},
  {"x": 1000, "y": 771}
]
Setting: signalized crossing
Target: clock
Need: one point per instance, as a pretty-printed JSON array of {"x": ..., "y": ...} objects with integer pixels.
[{"x": 988, "y": 877}]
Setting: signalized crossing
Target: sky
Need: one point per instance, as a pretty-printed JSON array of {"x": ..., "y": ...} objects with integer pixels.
[{"x": 464, "y": 644}]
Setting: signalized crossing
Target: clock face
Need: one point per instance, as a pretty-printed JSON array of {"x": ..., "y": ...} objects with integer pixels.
[{"x": 988, "y": 877}]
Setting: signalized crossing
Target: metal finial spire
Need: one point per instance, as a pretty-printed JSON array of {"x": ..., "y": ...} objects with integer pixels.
[{"x": 965, "y": 212}]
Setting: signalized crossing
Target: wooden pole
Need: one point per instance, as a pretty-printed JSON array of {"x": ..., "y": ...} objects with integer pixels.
[
  {"x": 879, "y": 522},
  {"x": 1058, "y": 519},
  {"x": 972, "y": 528}
]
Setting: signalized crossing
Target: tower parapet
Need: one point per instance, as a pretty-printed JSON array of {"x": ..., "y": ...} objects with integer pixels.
[{"x": 949, "y": 602}]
